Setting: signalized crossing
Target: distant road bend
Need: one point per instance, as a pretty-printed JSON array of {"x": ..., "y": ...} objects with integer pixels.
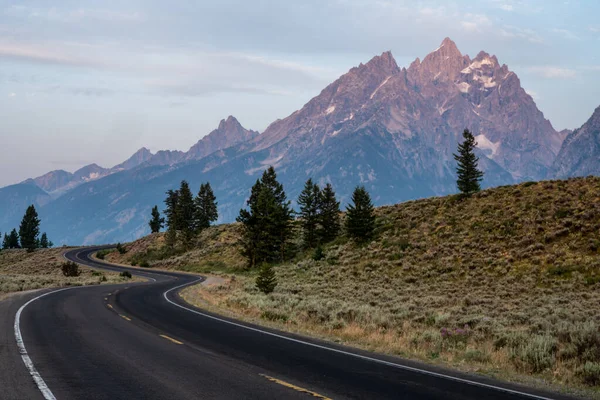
[{"x": 142, "y": 341}]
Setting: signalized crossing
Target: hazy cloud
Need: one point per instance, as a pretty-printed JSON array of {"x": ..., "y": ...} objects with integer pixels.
[
  {"x": 567, "y": 34},
  {"x": 553, "y": 72}
]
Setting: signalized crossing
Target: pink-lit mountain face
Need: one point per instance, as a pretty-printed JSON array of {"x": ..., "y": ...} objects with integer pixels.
[
  {"x": 422, "y": 111},
  {"x": 580, "y": 153}
]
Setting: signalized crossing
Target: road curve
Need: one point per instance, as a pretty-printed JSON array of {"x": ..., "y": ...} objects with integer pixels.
[{"x": 142, "y": 341}]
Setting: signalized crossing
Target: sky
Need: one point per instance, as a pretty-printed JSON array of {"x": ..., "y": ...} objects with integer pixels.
[{"x": 92, "y": 81}]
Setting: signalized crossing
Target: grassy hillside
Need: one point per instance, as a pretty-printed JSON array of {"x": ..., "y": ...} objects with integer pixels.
[
  {"x": 20, "y": 270},
  {"x": 506, "y": 282}
]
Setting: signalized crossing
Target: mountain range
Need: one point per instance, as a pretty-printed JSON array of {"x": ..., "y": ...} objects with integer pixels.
[{"x": 388, "y": 128}]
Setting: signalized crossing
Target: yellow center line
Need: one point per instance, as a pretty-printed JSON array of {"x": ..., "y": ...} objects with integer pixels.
[
  {"x": 109, "y": 306},
  {"x": 171, "y": 339},
  {"x": 106, "y": 298},
  {"x": 294, "y": 387},
  {"x": 125, "y": 317}
]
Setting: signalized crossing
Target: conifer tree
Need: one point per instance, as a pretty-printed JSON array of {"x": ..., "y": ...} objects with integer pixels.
[
  {"x": 186, "y": 211},
  {"x": 266, "y": 281},
  {"x": 13, "y": 240},
  {"x": 171, "y": 213},
  {"x": 329, "y": 217},
  {"x": 308, "y": 201},
  {"x": 5, "y": 242},
  {"x": 30, "y": 229},
  {"x": 266, "y": 222},
  {"x": 206, "y": 207},
  {"x": 360, "y": 217},
  {"x": 157, "y": 222},
  {"x": 44, "y": 244},
  {"x": 469, "y": 175}
]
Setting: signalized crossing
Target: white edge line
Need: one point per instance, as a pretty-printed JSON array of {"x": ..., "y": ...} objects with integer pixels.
[
  {"x": 376, "y": 360},
  {"x": 37, "y": 378}
]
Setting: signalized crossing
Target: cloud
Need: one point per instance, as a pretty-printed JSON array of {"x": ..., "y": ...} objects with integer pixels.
[
  {"x": 475, "y": 22},
  {"x": 553, "y": 72},
  {"x": 506, "y": 7},
  {"x": 514, "y": 32},
  {"x": 12, "y": 94},
  {"x": 73, "y": 15},
  {"x": 196, "y": 89},
  {"x": 567, "y": 34}
]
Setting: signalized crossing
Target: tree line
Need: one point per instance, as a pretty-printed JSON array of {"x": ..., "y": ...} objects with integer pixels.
[
  {"x": 28, "y": 236},
  {"x": 186, "y": 215}
]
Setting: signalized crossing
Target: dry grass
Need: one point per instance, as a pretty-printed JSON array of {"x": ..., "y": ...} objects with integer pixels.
[
  {"x": 505, "y": 283},
  {"x": 20, "y": 270}
]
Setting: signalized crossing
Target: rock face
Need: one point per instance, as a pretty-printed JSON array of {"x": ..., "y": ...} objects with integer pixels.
[
  {"x": 580, "y": 153},
  {"x": 138, "y": 158},
  {"x": 52, "y": 181},
  {"x": 229, "y": 133},
  {"x": 390, "y": 129}
]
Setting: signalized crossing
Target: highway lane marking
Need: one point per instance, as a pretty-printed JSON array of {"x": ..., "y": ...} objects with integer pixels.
[
  {"x": 171, "y": 339},
  {"x": 347, "y": 353},
  {"x": 294, "y": 387},
  {"x": 37, "y": 378},
  {"x": 125, "y": 317},
  {"x": 109, "y": 306}
]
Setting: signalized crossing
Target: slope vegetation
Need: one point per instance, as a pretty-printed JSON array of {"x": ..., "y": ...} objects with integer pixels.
[{"x": 506, "y": 282}]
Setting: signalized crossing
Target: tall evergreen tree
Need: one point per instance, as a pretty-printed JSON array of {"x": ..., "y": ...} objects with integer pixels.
[
  {"x": 171, "y": 213},
  {"x": 13, "y": 240},
  {"x": 308, "y": 201},
  {"x": 44, "y": 243},
  {"x": 5, "y": 241},
  {"x": 157, "y": 222},
  {"x": 206, "y": 207},
  {"x": 329, "y": 217},
  {"x": 30, "y": 229},
  {"x": 266, "y": 222},
  {"x": 469, "y": 175},
  {"x": 186, "y": 211},
  {"x": 360, "y": 216}
]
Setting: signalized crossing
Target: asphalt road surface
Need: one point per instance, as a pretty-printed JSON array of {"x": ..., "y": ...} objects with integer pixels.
[{"x": 141, "y": 341}]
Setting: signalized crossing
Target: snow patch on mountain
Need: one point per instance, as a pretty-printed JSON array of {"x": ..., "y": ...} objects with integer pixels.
[
  {"x": 379, "y": 87},
  {"x": 487, "y": 145},
  {"x": 329, "y": 110}
]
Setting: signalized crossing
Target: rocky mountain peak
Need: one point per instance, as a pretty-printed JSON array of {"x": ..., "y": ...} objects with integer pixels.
[
  {"x": 138, "y": 158},
  {"x": 229, "y": 133},
  {"x": 442, "y": 64}
]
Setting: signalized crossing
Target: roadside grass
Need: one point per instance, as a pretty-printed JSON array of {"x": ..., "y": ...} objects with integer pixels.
[
  {"x": 20, "y": 271},
  {"x": 505, "y": 283}
]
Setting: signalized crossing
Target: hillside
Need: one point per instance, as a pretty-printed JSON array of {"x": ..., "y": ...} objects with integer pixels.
[
  {"x": 20, "y": 271},
  {"x": 505, "y": 283}
]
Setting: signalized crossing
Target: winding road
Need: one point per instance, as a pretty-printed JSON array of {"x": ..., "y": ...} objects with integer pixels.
[{"x": 142, "y": 341}]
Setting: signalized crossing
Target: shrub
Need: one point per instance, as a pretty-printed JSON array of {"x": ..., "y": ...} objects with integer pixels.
[
  {"x": 318, "y": 254},
  {"x": 125, "y": 274},
  {"x": 590, "y": 373},
  {"x": 266, "y": 280},
  {"x": 538, "y": 353},
  {"x": 70, "y": 269},
  {"x": 121, "y": 249},
  {"x": 145, "y": 264}
]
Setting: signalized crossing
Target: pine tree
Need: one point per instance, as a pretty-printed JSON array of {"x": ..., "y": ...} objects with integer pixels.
[
  {"x": 206, "y": 207},
  {"x": 5, "y": 244},
  {"x": 308, "y": 201},
  {"x": 186, "y": 211},
  {"x": 44, "y": 244},
  {"x": 13, "y": 240},
  {"x": 266, "y": 222},
  {"x": 171, "y": 213},
  {"x": 157, "y": 222},
  {"x": 29, "y": 229},
  {"x": 266, "y": 281},
  {"x": 329, "y": 217},
  {"x": 469, "y": 175},
  {"x": 360, "y": 217}
]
